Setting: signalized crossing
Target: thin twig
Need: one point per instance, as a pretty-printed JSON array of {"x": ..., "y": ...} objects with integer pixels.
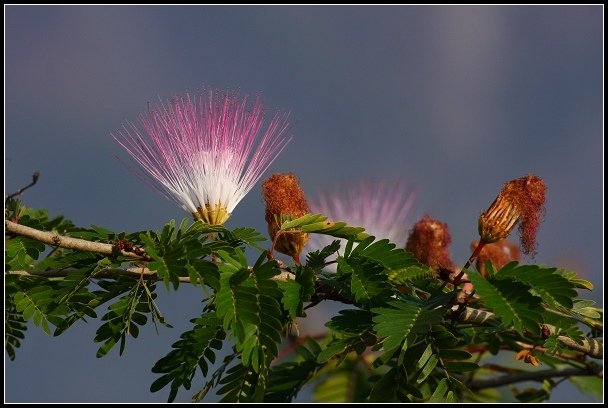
[
  {"x": 534, "y": 376},
  {"x": 35, "y": 178}
]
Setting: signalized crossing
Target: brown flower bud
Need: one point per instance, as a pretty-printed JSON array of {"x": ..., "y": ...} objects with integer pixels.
[
  {"x": 499, "y": 253},
  {"x": 521, "y": 200},
  {"x": 429, "y": 241},
  {"x": 285, "y": 200}
]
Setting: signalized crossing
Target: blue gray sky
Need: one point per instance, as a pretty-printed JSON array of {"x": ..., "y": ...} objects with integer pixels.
[{"x": 456, "y": 100}]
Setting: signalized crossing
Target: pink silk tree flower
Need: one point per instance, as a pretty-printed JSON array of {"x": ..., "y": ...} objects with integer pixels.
[
  {"x": 201, "y": 152},
  {"x": 382, "y": 208}
]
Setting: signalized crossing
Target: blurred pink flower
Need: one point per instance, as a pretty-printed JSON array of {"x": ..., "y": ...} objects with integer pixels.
[
  {"x": 382, "y": 208},
  {"x": 201, "y": 152}
]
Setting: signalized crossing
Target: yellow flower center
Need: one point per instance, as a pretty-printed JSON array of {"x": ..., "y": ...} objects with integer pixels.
[{"x": 217, "y": 215}]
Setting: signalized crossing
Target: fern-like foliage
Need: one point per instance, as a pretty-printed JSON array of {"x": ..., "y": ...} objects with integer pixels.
[
  {"x": 287, "y": 379},
  {"x": 383, "y": 252},
  {"x": 551, "y": 286},
  {"x": 351, "y": 330},
  {"x": 344, "y": 383},
  {"x": 242, "y": 384},
  {"x": 319, "y": 224},
  {"x": 404, "y": 335},
  {"x": 297, "y": 291},
  {"x": 14, "y": 329},
  {"x": 125, "y": 316},
  {"x": 248, "y": 304},
  {"x": 368, "y": 281},
  {"x": 403, "y": 320},
  {"x": 511, "y": 300},
  {"x": 196, "y": 348}
]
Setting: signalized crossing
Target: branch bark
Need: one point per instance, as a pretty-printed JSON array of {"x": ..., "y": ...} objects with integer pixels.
[
  {"x": 589, "y": 346},
  {"x": 114, "y": 272},
  {"x": 534, "y": 376},
  {"x": 62, "y": 241}
]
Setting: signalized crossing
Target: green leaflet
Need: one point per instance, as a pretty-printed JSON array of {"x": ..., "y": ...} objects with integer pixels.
[
  {"x": 287, "y": 379},
  {"x": 316, "y": 260},
  {"x": 125, "y": 316},
  {"x": 248, "y": 235},
  {"x": 384, "y": 390},
  {"x": 21, "y": 253},
  {"x": 511, "y": 301},
  {"x": 194, "y": 349},
  {"x": 298, "y": 291},
  {"x": 368, "y": 281},
  {"x": 348, "y": 383},
  {"x": 550, "y": 285},
  {"x": 38, "y": 304},
  {"x": 409, "y": 274},
  {"x": 14, "y": 329},
  {"x": 353, "y": 330},
  {"x": 319, "y": 224},
  {"x": 239, "y": 384},
  {"x": 592, "y": 386},
  {"x": 442, "y": 393},
  {"x": 403, "y": 321},
  {"x": 385, "y": 253},
  {"x": 244, "y": 297},
  {"x": 351, "y": 322},
  {"x": 291, "y": 298}
]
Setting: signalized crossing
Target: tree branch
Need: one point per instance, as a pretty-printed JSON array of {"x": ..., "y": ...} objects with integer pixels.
[
  {"x": 535, "y": 376},
  {"x": 589, "y": 346},
  {"x": 114, "y": 272},
  {"x": 57, "y": 240},
  {"x": 100, "y": 274}
]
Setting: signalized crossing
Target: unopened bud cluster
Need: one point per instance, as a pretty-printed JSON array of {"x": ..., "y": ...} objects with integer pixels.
[{"x": 285, "y": 200}]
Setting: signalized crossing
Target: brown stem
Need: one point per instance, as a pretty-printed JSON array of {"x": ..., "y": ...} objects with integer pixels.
[
  {"x": 474, "y": 255},
  {"x": 534, "y": 376},
  {"x": 115, "y": 272},
  {"x": 589, "y": 346},
  {"x": 78, "y": 244}
]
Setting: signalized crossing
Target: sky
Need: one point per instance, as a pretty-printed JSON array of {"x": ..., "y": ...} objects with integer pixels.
[{"x": 455, "y": 100}]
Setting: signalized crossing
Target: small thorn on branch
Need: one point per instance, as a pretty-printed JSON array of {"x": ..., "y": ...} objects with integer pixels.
[{"x": 35, "y": 178}]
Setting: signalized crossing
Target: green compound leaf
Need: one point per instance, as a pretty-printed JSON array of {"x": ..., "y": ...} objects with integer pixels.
[
  {"x": 550, "y": 285},
  {"x": 287, "y": 379},
  {"x": 368, "y": 281},
  {"x": 239, "y": 384},
  {"x": 510, "y": 300},
  {"x": 403, "y": 321},
  {"x": 409, "y": 274},
  {"x": 319, "y": 224},
  {"x": 194, "y": 349},
  {"x": 385, "y": 253},
  {"x": 248, "y": 304}
]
